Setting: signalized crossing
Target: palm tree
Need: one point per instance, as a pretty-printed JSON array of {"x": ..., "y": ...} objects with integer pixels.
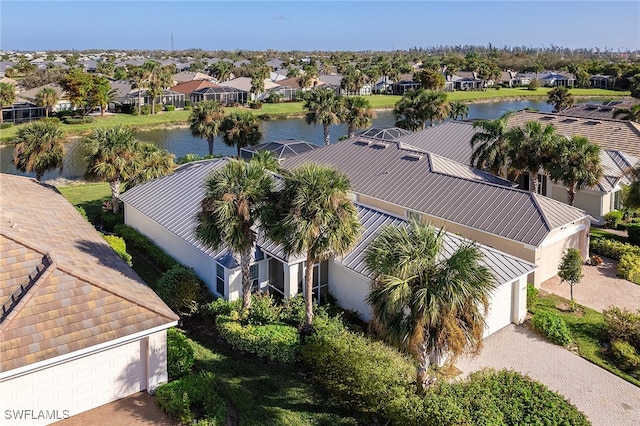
[
  {"x": 140, "y": 78},
  {"x": 47, "y": 97},
  {"x": 7, "y": 96},
  {"x": 576, "y": 163},
  {"x": 423, "y": 303},
  {"x": 235, "y": 194},
  {"x": 490, "y": 145},
  {"x": 357, "y": 113},
  {"x": 38, "y": 148},
  {"x": 154, "y": 163},
  {"x": 267, "y": 160},
  {"x": 112, "y": 157},
  {"x": 560, "y": 98},
  {"x": 436, "y": 106},
  {"x": 458, "y": 110},
  {"x": 322, "y": 106},
  {"x": 409, "y": 111},
  {"x": 221, "y": 70},
  {"x": 631, "y": 114},
  {"x": 314, "y": 217},
  {"x": 205, "y": 120},
  {"x": 240, "y": 129},
  {"x": 530, "y": 148}
]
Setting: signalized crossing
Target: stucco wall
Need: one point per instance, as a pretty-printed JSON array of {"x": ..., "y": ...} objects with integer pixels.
[
  {"x": 595, "y": 203},
  {"x": 550, "y": 253},
  {"x": 349, "y": 288},
  {"x": 157, "y": 361}
]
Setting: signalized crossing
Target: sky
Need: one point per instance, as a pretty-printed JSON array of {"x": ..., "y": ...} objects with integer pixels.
[{"x": 316, "y": 25}]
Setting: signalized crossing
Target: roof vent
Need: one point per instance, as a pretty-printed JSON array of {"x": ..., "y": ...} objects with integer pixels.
[
  {"x": 379, "y": 145},
  {"x": 569, "y": 120},
  {"x": 362, "y": 143},
  {"x": 592, "y": 123},
  {"x": 412, "y": 157},
  {"x": 547, "y": 118}
]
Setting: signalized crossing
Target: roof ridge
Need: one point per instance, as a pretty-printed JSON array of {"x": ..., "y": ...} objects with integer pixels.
[
  {"x": 536, "y": 202},
  {"x": 563, "y": 114}
]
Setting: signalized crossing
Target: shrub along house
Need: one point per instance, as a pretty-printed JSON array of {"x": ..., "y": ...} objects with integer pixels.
[
  {"x": 165, "y": 210},
  {"x": 78, "y": 327}
]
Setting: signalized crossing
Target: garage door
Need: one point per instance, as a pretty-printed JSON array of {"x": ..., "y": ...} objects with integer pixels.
[
  {"x": 499, "y": 314},
  {"x": 78, "y": 385}
]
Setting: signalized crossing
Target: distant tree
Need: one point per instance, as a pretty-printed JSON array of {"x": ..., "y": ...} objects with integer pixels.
[
  {"x": 205, "y": 120},
  {"x": 458, "y": 110},
  {"x": 7, "y": 96},
  {"x": 154, "y": 163},
  {"x": 221, "y": 70},
  {"x": 631, "y": 114},
  {"x": 635, "y": 86},
  {"x": 357, "y": 113},
  {"x": 530, "y": 148},
  {"x": 105, "y": 68},
  {"x": 120, "y": 73},
  {"x": 560, "y": 98},
  {"x": 38, "y": 148},
  {"x": 100, "y": 94},
  {"x": 240, "y": 129},
  {"x": 409, "y": 110},
  {"x": 570, "y": 269},
  {"x": 430, "y": 79},
  {"x": 353, "y": 80},
  {"x": 259, "y": 73},
  {"x": 491, "y": 146},
  {"x": 293, "y": 72},
  {"x": 140, "y": 78},
  {"x": 436, "y": 107},
  {"x": 197, "y": 66},
  {"x": 77, "y": 84},
  {"x": 322, "y": 106},
  {"x": 47, "y": 97}
]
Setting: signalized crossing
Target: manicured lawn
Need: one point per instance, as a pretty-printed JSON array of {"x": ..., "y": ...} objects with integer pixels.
[
  {"x": 603, "y": 233},
  {"x": 264, "y": 393},
  {"x": 586, "y": 330}
]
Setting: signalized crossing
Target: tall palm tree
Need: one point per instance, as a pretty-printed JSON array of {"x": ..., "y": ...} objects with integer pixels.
[
  {"x": 205, "y": 120},
  {"x": 409, "y": 110},
  {"x": 140, "y": 78},
  {"x": 235, "y": 194},
  {"x": 490, "y": 145},
  {"x": 47, "y": 97},
  {"x": 436, "y": 107},
  {"x": 314, "y": 217},
  {"x": 221, "y": 70},
  {"x": 267, "y": 160},
  {"x": 112, "y": 157},
  {"x": 240, "y": 129},
  {"x": 576, "y": 163},
  {"x": 154, "y": 163},
  {"x": 560, "y": 98},
  {"x": 322, "y": 106},
  {"x": 631, "y": 114},
  {"x": 458, "y": 110},
  {"x": 7, "y": 96},
  {"x": 38, "y": 148},
  {"x": 357, "y": 113},
  {"x": 423, "y": 303},
  {"x": 530, "y": 148}
]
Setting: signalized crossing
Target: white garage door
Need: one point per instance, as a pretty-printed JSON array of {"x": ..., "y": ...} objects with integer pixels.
[
  {"x": 78, "y": 385},
  {"x": 499, "y": 314}
]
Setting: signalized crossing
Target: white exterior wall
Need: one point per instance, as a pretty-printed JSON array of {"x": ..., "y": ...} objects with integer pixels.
[
  {"x": 234, "y": 280},
  {"x": 176, "y": 247},
  {"x": 349, "y": 288},
  {"x": 157, "y": 360},
  {"x": 550, "y": 252}
]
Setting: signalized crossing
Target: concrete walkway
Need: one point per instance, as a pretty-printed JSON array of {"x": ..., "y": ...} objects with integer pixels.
[
  {"x": 605, "y": 398},
  {"x": 599, "y": 289}
]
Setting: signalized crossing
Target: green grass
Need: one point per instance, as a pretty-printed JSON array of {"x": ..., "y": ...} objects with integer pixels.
[
  {"x": 603, "y": 233},
  {"x": 264, "y": 393},
  {"x": 586, "y": 331}
]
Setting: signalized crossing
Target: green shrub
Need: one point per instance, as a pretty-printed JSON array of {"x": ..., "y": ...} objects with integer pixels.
[
  {"x": 622, "y": 324},
  {"x": 293, "y": 311},
  {"x": 255, "y": 105},
  {"x": 54, "y": 120},
  {"x": 187, "y": 107},
  {"x": 532, "y": 297},
  {"x": 179, "y": 354},
  {"x": 79, "y": 120},
  {"x": 263, "y": 310},
  {"x": 169, "y": 107},
  {"x": 83, "y": 213},
  {"x": 187, "y": 102},
  {"x": 634, "y": 232},
  {"x": 354, "y": 368},
  {"x": 534, "y": 85},
  {"x": 612, "y": 249},
  {"x": 613, "y": 218},
  {"x": 626, "y": 357},
  {"x": 629, "y": 268},
  {"x": 193, "y": 398},
  {"x": 109, "y": 219},
  {"x": 119, "y": 246},
  {"x": 145, "y": 110},
  {"x": 275, "y": 342},
  {"x": 6, "y": 125},
  {"x": 143, "y": 244},
  {"x": 181, "y": 289},
  {"x": 210, "y": 311},
  {"x": 552, "y": 327}
]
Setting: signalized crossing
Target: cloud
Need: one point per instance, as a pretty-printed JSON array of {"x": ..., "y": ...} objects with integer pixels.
[{"x": 280, "y": 18}]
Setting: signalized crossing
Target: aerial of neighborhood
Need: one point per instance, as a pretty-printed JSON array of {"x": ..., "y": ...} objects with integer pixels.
[{"x": 437, "y": 235}]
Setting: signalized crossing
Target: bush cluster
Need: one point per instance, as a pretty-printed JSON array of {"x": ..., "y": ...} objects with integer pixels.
[
  {"x": 182, "y": 290},
  {"x": 54, "y": 120},
  {"x": 6, "y": 125},
  {"x": 276, "y": 342},
  {"x": 193, "y": 400},
  {"x": 532, "y": 297},
  {"x": 622, "y": 324},
  {"x": 633, "y": 229},
  {"x": 79, "y": 120},
  {"x": 629, "y": 268},
  {"x": 169, "y": 108},
  {"x": 143, "y": 244},
  {"x": 119, "y": 246},
  {"x": 552, "y": 327},
  {"x": 180, "y": 355},
  {"x": 109, "y": 220},
  {"x": 626, "y": 357},
  {"x": 627, "y": 254},
  {"x": 613, "y": 219}
]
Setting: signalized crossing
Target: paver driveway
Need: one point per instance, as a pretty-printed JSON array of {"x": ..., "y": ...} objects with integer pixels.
[{"x": 606, "y": 399}]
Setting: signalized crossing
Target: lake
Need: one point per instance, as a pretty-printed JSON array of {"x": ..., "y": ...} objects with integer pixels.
[{"x": 180, "y": 142}]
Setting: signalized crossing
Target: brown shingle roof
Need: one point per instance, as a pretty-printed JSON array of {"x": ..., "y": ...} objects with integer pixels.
[
  {"x": 188, "y": 87},
  {"x": 86, "y": 296}
]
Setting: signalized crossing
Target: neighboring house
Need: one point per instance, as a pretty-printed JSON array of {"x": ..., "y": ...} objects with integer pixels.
[
  {"x": 397, "y": 178},
  {"x": 223, "y": 94},
  {"x": 601, "y": 81},
  {"x": 244, "y": 84},
  {"x": 547, "y": 78},
  {"x": 165, "y": 210},
  {"x": 466, "y": 80},
  {"x": 604, "y": 110},
  {"x": 63, "y": 104},
  {"x": 121, "y": 89},
  {"x": 4, "y": 65},
  {"x": 275, "y": 64},
  {"x": 22, "y": 111},
  {"x": 168, "y": 97},
  {"x": 507, "y": 77},
  {"x": 185, "y": 76},
  {"x": 280, "y": 149},
  {"x": 79, "y": 327},
  {"x": 335, "y": 81}
]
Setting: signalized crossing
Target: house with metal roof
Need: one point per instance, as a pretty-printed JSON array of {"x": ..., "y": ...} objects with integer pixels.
[
  {"x": 78, "y": 327},
  {"x": 280, "y": 149},
  {"x": 165, "y": 210},
  {"x": 410, "y": 182}
]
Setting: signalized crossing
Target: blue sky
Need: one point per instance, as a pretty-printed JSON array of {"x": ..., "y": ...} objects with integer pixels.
[{"x": 316, "y": 25}]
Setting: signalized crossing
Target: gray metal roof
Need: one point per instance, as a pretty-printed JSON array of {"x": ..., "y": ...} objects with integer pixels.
[
  {"x": 280, "y": 149},
  {"x": 442, "y": 188},
  {"x": 450, "y": 139},
  {"x": 385, "y": 133},
  {"x": 504, "y": 267},
  {"x": 615, "y": 165}
]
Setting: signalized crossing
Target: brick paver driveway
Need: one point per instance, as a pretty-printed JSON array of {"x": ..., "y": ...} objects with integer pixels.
[
  {"x": 599, "y": 288},
  {"x": 606, "y": 399}
]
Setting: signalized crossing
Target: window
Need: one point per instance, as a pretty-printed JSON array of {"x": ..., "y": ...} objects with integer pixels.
[
  {"x": 616, "y": 202},
  {"x": 220, "y": 280},
  {"x": 253, "y": 277},
  {"x": 321, "y": 281}
]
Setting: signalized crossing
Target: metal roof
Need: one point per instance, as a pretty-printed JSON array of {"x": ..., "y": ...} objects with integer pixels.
[
  {"x": 385, "y": 133},
  {"x": 442, "y": 188},
  {"x": 504, "y": 267},
  {"x": 280, "y": 149},
  {"x": 450, "y": 139}
]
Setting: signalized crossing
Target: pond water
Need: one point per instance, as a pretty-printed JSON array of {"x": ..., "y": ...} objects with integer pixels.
[{"x": 180, "y": 142}]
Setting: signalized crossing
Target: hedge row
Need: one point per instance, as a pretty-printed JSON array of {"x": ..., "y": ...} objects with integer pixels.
[
  {"x": 552, "y": 327},
  {"x": 182, "y": 290},
  {"x": 185, "y": 398},
  {"x": 627, "y": 254},
  {"x": 139, "y": 242},
  {"x": 622, "y": 329},
  {"x": 180, "y": 356},
  {"x": 119, "y": 246}
]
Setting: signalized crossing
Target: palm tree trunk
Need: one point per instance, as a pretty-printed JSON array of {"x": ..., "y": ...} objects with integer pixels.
[
  {"x": 533, "y": 182},
  {"x": 351, "y": 131},
  {"x": 571, "y": 194},
  {"x": 423, "y": 367},
  {"x": 115, "y": 194},
  {"x": 102, "y": 108},
  {"x": 245, "y": 260},
  {"x": 46, "y": 112},
  {"x": 327, "y": 138},
  {"x": 308, "y": 299},
  {"x": 210, "y": 142},
  {"x": 139, "y": 102},
  {"x": 38, "y": 177}
]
